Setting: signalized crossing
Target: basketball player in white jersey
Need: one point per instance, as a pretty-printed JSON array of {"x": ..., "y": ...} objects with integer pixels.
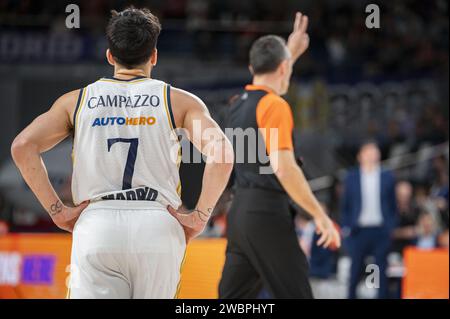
[{"x": 129, "y": 238}]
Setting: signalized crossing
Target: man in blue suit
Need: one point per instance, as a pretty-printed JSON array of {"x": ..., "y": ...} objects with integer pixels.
[{"x": 369, "y": 213}]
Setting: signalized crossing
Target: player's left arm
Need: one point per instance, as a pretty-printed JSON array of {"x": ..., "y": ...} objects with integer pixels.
[
  {"x": 44, "y": 133},
  {"x": 205, "y": 134}
]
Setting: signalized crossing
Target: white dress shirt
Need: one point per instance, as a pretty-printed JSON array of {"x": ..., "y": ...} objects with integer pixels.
[{"x": 371, "y": 214}]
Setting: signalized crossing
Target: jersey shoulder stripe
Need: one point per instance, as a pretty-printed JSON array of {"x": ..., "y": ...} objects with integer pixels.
[
  {"x": 168, "y": 105},
  {"x": 78, "y": 107}
]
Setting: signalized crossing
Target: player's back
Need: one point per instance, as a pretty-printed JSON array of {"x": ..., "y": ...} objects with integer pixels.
[{"x": 125, "y": 147}]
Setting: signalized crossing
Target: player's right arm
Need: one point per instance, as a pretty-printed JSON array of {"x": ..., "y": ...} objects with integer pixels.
[
  {"x": 45, "y": 132},
  {"x": 192, "y": 115}
]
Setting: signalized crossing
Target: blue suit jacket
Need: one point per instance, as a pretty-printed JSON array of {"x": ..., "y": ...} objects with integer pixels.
[{"x": 351, "y": 204}]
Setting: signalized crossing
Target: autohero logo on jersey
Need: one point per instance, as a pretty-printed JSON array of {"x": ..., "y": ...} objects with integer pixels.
[{"x": 120, "y": 121}]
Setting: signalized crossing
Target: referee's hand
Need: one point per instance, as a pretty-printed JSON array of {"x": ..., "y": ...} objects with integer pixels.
[
  {"x": 298, "y": 41},
  {"x": 329, "y": 236}
]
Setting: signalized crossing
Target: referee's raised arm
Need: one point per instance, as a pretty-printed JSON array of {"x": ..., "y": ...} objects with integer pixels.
[{"x": 263, "y": 248}]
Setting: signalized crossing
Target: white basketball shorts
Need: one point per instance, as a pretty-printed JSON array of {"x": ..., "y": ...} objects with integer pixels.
[{"x": 126, "y": 249}]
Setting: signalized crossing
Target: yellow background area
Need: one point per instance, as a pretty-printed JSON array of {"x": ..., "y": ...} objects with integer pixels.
[
  {"x": 427, "y": 272},
  {"x": 202, "y": 269}
]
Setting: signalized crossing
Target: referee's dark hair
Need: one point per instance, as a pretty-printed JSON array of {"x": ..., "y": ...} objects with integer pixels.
[
  {"x": 132, "y": 36},
  {"x": 267, "y": 53}
]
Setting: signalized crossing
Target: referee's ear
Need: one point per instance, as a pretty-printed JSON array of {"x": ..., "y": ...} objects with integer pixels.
[
  {"x": 283, "y": 68},
  {"x": 250, "y": 68}
]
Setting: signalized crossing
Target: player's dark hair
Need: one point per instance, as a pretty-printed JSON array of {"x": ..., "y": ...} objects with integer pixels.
[
  {"x": 132, "y": 36},
  {"x": 267, "y": 53}
]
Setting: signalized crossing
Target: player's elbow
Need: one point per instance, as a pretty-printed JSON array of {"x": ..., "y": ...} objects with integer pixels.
[
  {"x": 282, "y": 174},
  {"x": 19, "y": 148}
]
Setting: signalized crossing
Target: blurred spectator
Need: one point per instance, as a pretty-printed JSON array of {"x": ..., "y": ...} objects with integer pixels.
[
  {"x": 369, "y": 213},
  {"x": 4, "y": 229},
  {"x": 440, "y": 187},
  {"x": 427, "y": 232},
  {"x": 444, "y": 240},
  {"x": 405, "y": 233}
]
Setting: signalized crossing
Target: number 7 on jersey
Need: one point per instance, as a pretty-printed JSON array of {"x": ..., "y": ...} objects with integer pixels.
[{"x": 131, "y": 159}]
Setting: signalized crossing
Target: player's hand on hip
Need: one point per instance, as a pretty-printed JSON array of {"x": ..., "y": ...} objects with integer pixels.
[
  {"x": 193, "y": 222},
  {"x": 65, "y": 217},
  {"x": 298, "y": 41},
  {"x": 329, "y": 235}
]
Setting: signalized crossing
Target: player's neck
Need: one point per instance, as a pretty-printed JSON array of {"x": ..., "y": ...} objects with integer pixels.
[
  {"x": 268, "y": 81},
  {"x": 126, "y": 74}
]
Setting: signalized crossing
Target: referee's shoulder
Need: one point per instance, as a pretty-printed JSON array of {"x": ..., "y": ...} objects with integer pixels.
[{"x": 271, "y": 100}]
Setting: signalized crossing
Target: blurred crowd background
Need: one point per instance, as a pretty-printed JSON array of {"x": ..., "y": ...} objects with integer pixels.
[{"x": 388, "y": 84}]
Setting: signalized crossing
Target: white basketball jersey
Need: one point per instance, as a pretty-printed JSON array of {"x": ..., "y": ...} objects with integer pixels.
[{"x": 125, "y": 146}]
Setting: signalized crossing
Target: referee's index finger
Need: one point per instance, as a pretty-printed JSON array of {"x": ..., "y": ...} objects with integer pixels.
[{"x": 298, "y": 20}]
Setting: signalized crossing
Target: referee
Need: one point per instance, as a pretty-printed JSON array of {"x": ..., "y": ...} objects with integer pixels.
[{"x": 263, "y": 250}]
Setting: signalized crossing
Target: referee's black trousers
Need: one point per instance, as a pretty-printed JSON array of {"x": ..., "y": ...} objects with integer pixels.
[{"x": 263, "y": 249}]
